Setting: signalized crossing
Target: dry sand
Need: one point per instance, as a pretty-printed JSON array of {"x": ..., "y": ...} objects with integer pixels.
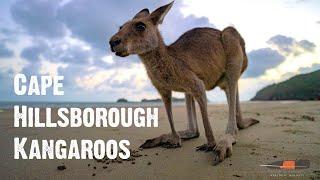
[{"x": 282, "y": 134}]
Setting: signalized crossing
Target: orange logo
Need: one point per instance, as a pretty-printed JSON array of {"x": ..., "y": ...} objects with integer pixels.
[{"x": 288, "y": 164}]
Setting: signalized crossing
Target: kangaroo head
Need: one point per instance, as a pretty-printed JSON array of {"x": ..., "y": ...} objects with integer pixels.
[{"x": 140, "y": 34}]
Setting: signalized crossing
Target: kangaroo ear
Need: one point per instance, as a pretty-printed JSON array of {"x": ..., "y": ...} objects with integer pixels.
[
  {"x": 142, "y": 13},
  {"x": 158, "y": 15}
]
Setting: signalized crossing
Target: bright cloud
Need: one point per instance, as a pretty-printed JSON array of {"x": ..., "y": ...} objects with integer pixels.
[
  {"x": 49, "y": 68},
  {"x": 108, "y": 59},
  {"x": 102, "y": 80},
  {"x": 293, "y": 64}
]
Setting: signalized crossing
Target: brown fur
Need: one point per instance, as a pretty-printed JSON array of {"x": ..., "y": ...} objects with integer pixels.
[{"x": 199, "y": 60}]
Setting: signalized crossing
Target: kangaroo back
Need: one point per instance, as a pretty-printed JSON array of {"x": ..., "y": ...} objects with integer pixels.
[{"x": 233, "y": 43}]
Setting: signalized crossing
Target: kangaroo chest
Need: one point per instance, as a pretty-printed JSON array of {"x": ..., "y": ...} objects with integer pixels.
[
  {"x": 164, "y": 75},
  {"x": 161, "y": 75}
]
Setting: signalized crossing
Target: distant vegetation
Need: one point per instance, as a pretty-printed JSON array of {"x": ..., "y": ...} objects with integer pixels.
[
  {"x": 174, "y": 99},
  {"x": 159, "y": 100},
  {"x": 300, "y": 87},
  {"x": 122, "y": 100}
]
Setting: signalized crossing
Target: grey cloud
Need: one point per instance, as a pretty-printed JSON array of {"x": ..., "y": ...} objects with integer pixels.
[
  {"x": 307, "y": 45},
  {"x": 290, "y": 45},
  {"x": 70, "y": 73},
  {"x": 96, "y": 21},
  {"x": 93, "y": 22},
  {"x": 38, "y": 17},
  {"x": 262, "y": 59},
  {"x": 32, "y": 68},
  {"x": 73, "y": 55},
  {"x": 8, "y": 34},
  {"x": 284, "y": 43},
  {"x": 4, "y": 51},
  {"x": 171, "y": 30},
  {"x": 32, "y": 53},
  {"x": 55, "y": 53}
]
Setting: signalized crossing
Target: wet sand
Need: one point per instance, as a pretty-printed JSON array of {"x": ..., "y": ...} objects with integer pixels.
[{"x": 287, "y": 130}]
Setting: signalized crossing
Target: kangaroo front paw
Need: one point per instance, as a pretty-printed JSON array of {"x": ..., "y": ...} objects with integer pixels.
[
  {"x": 223, "y": 149},
  {"x": 165, "y": 140}
]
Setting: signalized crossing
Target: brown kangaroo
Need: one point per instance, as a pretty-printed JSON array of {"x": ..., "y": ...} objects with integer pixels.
[{"x": 199, "y": 60}]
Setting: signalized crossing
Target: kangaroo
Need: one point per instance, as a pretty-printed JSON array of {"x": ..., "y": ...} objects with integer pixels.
[{"x": 201, "y": 59}]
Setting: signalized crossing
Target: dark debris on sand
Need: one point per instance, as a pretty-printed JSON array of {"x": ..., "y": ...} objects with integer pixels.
[
  {"x": 61, "y": 168},
  {"x": 307, "y": 117},
  {"x": 301, "y": 118},
  {"x": 134, "y": 154},
  {"x": 236, "y": 175}
]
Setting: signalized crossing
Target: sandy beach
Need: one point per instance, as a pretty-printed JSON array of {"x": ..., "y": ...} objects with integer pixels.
[{"x": 287, "y": 131}]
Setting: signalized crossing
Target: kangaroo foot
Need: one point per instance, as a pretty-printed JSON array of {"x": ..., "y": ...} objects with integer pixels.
[
  {"x": 244, "y": 123},
  {"x": 188, "y": 134},
  {"x": 165, "y": 140},
  {"x": 205, "y": 147},
  {"x": 223, "y": 149}
]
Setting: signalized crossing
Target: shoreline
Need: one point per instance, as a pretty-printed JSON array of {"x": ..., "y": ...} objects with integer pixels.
[{"x": 40, "y": 104}]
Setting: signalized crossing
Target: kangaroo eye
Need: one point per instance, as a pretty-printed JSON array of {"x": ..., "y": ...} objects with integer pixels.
[
  {"x": 120, "y": 27},
  {"x": 140, "y": 26}
]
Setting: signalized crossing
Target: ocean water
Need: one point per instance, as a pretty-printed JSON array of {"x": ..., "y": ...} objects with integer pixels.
[{"x": 9, "y": 105}]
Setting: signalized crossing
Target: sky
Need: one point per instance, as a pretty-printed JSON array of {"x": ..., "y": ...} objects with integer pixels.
[{"x": 70, "y": 38}]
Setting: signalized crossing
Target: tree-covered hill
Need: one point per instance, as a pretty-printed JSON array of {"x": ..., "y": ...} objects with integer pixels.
[{"x": 300, "y": 87}]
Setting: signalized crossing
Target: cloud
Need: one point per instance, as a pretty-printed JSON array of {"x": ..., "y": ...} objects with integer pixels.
[
  {"x": 96, "y": 21},
  {"x": 49, "y": 68},
  {"x": 307, "y": 45},
  {"x": 289, "y": 45},
  {"x": 175, "y": 23},
  {"x": 57, "y": 51},
  {"x": 283, "y": 43},
  {"x": 314, "y": 67},
  {"x": 262, "y": 59},
  {"x": 283, "y": 49},
  {"x": 92, "y": 22},
  {"x": 5, "y": 52},
  {"x": 32, "y": 53},
  {"x": 133, "y": 77},
  {"x": 38, "y": 17},
  {"x": 70, "y": 38}
]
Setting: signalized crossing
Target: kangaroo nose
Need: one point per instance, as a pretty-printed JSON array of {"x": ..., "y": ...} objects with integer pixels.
[{"x": 114, "y": 43}]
